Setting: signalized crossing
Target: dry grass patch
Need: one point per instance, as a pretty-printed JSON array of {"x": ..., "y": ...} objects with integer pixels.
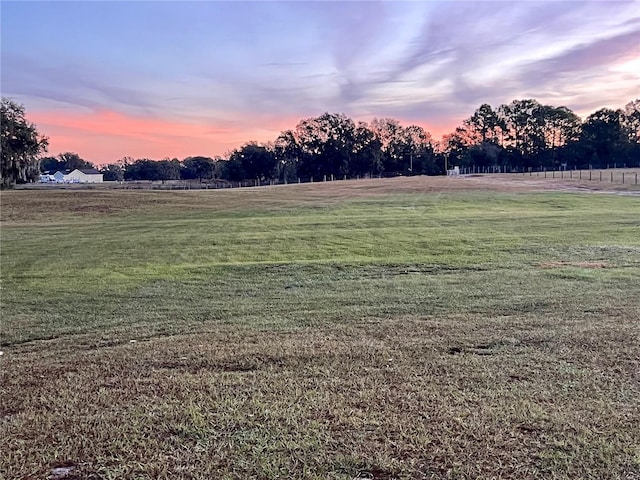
[
  {"x": 384, "y": 398},
  {"x": 562, "y": 264}
]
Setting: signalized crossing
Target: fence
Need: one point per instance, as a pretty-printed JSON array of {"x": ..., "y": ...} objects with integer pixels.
[
  {"x": 620, "y": 176},
  {"x": 223, "y": 184}
]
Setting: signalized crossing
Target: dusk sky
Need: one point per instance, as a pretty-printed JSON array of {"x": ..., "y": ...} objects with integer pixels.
[{"x": 172, "y": 79}]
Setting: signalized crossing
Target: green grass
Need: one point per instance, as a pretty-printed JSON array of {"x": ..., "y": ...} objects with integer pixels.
[{"x": 445, "y": 334}]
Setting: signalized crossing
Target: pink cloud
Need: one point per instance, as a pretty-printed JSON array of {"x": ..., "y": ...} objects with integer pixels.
[{"x": 106, "y": 136}]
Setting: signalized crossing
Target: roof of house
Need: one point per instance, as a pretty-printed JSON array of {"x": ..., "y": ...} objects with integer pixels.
[{"x": 86, "y": 171}]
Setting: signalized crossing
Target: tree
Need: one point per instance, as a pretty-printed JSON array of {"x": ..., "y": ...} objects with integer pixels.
[
  {"x": 231, "y": 169},
  {"x": 417, "y": 151},
  {"x": 454, "y": 147},
  {"x": 64, "y": 161},
  {"x": 632, "y": 121},
  {"x": 485, "y": 154},
  {"x": 404, "y": 149},
  {"x": 632, "y": 128},
  {"x": 604, "y": 137},
  {"x": 145, "y": 169},
  {"x": 21, "y": 146},
  {"x": 523, "y": 121},
  {"x": 198, "y": 167},
  {"x": 388, "y": 131},
  {"x": 287, "y": 153},
  {"x": 112, "y": 172},
  {"x": 140, "y": 169},
  {"x": 366, "y": 157},
  {"x": 72, "y": 161},
  {"x": 169, "y": 169},
  {"x": 561, "y": 126},
  {"x": 487, "y": 124},
  {"x": 51, "y": 164},
  {"x": 326, "y": 144},
  {"x": 251, "y": 161},
  {"x": 258, "y": 161}
]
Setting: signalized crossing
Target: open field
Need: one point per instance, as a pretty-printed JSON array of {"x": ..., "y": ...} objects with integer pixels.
[{"x": 414, "y": 328}]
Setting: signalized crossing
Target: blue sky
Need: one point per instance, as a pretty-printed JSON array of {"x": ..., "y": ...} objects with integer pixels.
[{"x": 155, "y": 79}]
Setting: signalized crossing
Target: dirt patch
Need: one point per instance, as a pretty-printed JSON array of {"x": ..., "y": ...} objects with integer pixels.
[
  {"x": 63, "y": 470},
  {"x": 375, "y": 474},
  {"x": 562, "y": 264}
]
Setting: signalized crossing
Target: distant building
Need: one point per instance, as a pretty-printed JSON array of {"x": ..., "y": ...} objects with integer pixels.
[
  {"x": 46, "y": 178},
  {"x": 79, "y": 175},
  {"x": 84, "y": 175}
]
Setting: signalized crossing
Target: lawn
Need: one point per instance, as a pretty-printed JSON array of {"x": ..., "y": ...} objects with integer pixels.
[{"x": 401, "y": 328}]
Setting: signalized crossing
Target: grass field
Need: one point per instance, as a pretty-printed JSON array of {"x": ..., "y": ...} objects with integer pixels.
[{"x": 403, "y": 328}]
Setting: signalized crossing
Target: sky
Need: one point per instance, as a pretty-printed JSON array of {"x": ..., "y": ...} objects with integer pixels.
[{"x": 155, "y": 79}]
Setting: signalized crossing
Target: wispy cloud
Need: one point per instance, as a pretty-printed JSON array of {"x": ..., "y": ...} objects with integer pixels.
[{"x": 207, "y": 74}]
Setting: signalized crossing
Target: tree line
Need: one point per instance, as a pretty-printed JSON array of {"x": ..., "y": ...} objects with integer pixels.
[
  {"x": 523, "y": 134},
  {"x": 528, "y": 134}
]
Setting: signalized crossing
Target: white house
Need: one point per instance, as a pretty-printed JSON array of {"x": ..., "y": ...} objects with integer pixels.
[
  {"x": 79, "y": 175},
  {"x": 84, "y": 175}
]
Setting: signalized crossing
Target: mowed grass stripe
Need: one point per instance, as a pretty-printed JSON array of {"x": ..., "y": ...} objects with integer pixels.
[{"x": 366, "y": 230}]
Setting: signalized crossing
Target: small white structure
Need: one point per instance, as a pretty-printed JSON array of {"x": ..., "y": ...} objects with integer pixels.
[
  {"x": 454, "y": 172},
  {"x": 79, "y": 175}
]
